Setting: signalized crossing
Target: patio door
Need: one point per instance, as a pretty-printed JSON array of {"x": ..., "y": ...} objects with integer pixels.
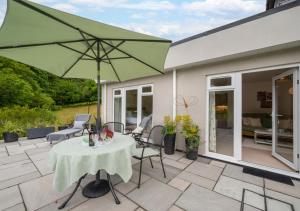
[{"x": 284, "y": 117}]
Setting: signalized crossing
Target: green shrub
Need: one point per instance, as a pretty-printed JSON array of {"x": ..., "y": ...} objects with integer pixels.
[{"x": 19, "y": 119}]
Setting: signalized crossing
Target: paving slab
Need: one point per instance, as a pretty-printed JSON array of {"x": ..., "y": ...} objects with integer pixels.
[
  {"x": 157, "y": 171},
  {"x": 205, "y": 170},
  {"x": 196, "y": 198},
  {"x": 19, "y": 180},
  {"x": 234, "y": 189},
  {"x": 135, "y": 177},
  {"x": 16, "y": 149},
  {"x": 175, "y": 156},
  {"x": 218, "y": 163},
  {"x": 204, "y": 160},
  {"x": 43, "y": 166},
  {"x": 39, "y": 156},
  {"x": 237, "y": 173},
  {"x": 185, "y": 161},
  {"x": 154, "y": 195},
  {"x": 10, "y": 197},
  {"x": 178, "y": 183},
  {"x": 39, "y": 192},
  {"x": 30, "y": 141},
  {"x": 273, "y": 205},
  {"x": 174, "y": 163},
  {"x": 13, "y": 158},
  {"x": 107, "y": 202},
  {"x": 125, "y": 188},
  {"x": 43, "y": 144},
  {"x": 18, "y": 207},
  {"x": 175, "y": 208},
  {"x": 18, "y": 163},
  {"x": 38, "y": 150},
  {"x": 16, "y": 171},
  {"x": 76, "y": 200},
  {"x": 140, "y": 209},
  {"x": 195, "y": 179},
  {"x": 283, "y": 188}
]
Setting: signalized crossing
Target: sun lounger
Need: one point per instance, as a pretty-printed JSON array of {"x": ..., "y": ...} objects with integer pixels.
[{"x": 79, "y": 126}]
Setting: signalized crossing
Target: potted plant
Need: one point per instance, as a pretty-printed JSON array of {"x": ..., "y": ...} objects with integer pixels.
[
  {"x": 170, "y": 138},
  {"x": 11, "y": 131},
  {"x": 190, "y": 132},
  {"x": 39, "y": 130}
]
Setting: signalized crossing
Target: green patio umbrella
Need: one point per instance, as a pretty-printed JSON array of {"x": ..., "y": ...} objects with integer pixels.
[{"x": 74, "y": 47}]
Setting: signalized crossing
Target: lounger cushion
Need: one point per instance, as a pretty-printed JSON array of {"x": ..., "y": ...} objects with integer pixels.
[{"x": 79, "y": 124}]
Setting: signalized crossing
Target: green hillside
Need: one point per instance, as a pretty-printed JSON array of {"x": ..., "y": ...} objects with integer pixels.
[{"x": 27, "y": 86}]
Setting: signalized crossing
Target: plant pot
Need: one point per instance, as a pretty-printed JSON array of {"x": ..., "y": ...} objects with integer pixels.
[
  {"x": 33, "y": 133},
  {"x": 169, "y": 143},
  {"x": 191, "y": 153},
  {"x": 10, "y": 137},
  {"x": 63, "y": 127}
]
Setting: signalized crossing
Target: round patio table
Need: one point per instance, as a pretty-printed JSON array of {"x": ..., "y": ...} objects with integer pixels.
[{"x": 73, "y": 159}]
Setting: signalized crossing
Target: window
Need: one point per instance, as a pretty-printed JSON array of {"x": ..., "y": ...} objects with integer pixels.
[
  {"x": 220, "y": 82},
  {"x": 117, "y": 92},
  {"x": 147, "y": 89},
  {"x": 132, "y": 104}
]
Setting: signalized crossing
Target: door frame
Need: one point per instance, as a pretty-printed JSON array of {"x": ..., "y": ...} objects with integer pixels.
[
  {"x": 293, "y": 164},
  {"x": 237, "y": 133},
  {"x": 237, "y": 158}
]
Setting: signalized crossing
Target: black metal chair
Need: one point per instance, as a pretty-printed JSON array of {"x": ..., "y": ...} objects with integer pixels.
[
  {"x": 151, "y": 148},
  {"x": 115, "y": 127}
]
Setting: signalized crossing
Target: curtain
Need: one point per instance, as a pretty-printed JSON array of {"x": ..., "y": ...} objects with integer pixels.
[{"x": 212, "y": 122}]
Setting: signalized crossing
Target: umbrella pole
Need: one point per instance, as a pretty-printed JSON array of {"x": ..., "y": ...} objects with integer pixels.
[{"x": 98, "y": 120}]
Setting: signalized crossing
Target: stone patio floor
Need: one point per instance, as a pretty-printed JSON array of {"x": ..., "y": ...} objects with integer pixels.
[{"x": 26, "y": 184}]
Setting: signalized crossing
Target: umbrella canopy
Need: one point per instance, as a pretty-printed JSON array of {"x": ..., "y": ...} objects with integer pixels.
[{"x": 74, "y": 47}]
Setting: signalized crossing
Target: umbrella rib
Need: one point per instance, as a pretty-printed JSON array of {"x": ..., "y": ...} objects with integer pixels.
[
  {"x": 78, "y": 60},
  {"x": 87, "y": 42},
  {"x": 137, "y": 59},
  {"x": 112, "y": 66},
  {"x": 72, "y": 49},
  {"x": 125, "y": 57},
  {"x": 113, "y": 48},
  {"x": 41, "y": 44}
]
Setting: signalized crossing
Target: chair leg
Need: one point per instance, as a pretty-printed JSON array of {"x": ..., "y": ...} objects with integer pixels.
[
  {"x": 112, "y": 190},
  {"x": 151, "y": 162},
  {"x": 162, "y": 165},
  {"x": 141, "y": 164}
]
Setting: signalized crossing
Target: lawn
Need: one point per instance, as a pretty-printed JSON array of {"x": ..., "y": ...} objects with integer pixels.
[{"x": 66, "y": 114}]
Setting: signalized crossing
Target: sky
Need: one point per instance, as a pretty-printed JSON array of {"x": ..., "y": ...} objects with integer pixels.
[{"x": 170, "y": 19}]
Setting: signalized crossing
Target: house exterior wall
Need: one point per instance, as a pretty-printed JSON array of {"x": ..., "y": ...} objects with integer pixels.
[{"x": 191, "y": 83}]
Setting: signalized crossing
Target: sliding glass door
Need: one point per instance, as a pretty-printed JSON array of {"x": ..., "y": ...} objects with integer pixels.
[{"x": 284, "y": 142}]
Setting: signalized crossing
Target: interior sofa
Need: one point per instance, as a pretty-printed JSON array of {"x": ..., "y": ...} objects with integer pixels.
[{"x": 255, "y": 121}]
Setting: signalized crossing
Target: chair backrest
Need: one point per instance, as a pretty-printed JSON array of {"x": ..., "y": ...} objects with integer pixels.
[
  {"x": 115, "y": 127},
  {"x": 156, "y": 136},
  {"x": 80, "y": 120}
]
